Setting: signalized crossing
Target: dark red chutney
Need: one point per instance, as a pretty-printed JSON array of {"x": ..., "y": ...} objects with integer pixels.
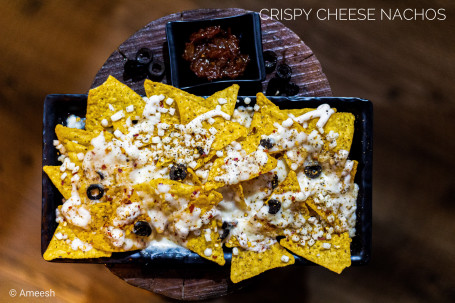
[{"x": 214, "y": 53}]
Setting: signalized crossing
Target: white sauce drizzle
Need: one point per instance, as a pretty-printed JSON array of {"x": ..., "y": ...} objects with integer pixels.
[{"x": 323, "y": 112}]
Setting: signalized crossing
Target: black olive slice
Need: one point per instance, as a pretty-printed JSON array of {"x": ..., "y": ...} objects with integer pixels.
[
  {"x": 274, "y": 206},
  {"x": 224, "y": 233},
  {"x": 101, "y": 175},
  {"x": 291, "y": 89},
  {"x": 284, "y": 72},
  {"x": 313, "y": 171},
  {"x": 200, "y": 150},
  {"x": 275, "y": 87},
  {"x": 134, "y": 70},
  {"x": 156, "y": 69},
  {"x": 226, "y": 228},
  {"x": 266, "y": 143},
  {"x": 95, "y": 191},
  {"x": 144, "y": 56},
  {"x": 178, "y": 172},
  {"x": 270, "y": 60},
  {"x": 142, "y": 228},
  {"x": 274, "y": 181}
]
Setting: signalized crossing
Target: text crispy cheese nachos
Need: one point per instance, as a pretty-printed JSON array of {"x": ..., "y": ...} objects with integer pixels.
[{"x": 200, "y": 174}]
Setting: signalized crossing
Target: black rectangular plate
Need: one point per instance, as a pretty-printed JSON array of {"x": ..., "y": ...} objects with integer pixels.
[{"x": 58, "y": 107}]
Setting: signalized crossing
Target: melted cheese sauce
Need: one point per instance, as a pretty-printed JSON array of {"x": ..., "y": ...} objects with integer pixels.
[{"x": 133, "y": 158}]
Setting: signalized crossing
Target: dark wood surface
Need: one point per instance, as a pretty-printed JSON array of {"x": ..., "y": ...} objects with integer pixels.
[
  {"x": 290, "y": 49},
  {"x": 406, "y": 67},
  {"x": 203, "y": 283}
]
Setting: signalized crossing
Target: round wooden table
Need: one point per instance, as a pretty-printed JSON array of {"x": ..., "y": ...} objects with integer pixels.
[{"x": 204, "y": 282}]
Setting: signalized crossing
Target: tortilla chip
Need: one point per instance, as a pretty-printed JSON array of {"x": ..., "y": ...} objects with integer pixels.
[
  {"x": 156, "y": 88},
  {"x": 337, "y": 258},
  {"x": 102, "y": 214},
  {"x": 297, "y": 111},
  {"x": 248, "y": 264},
  {"x": 262, "y": 123},
  {"x": 216, "y": 171},
  {"x": 62, "y": 248},
  {"x": 199, "y": 244},
  {"x": 164, "y": 189},
  {"x": 229, "y": 94},
  {"x": 339, "y": 122},
  {"x": 81, "y": 136},
  {"x": 63, "y": 186},
  {"x": 343, "y": 124},
  {"x": 192, "y": 178},
  {"x": 240, "y": 197},
  {"x": 232, "y": 242},
  {"x": 322, "y": 211},
  {"x": 119, "y": 96}
]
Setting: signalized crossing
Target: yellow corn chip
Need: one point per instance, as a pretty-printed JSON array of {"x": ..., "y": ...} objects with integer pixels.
[
  {"x": 217, "y": 171},
  {"x": 336, "y": 258},
  {"x": 339, "y": 122},
  {"x": 262, "y": 123},
  {"x": 232, "y": 242},
  {"x": 211, "y": 250},
  {"x": 71, "y": 247},
  {"x": 248, "y": 264},
  {"x": 193, "y": 179},
  {"x": 322, "y": 211},
  {"x": 343, "y": 124},
  {"x": 116, "y": 95},
  {"x": 101, "y": 216},
  {"x": 81, "y": 136},
  {"x": 63, "y": 186},
  {"x": 228, "y": 95},
  {"x": 156, "y": 88}
]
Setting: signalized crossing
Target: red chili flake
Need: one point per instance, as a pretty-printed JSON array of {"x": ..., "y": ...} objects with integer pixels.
[
  {"x": 254, "y": 129},
  {"x": 211, "y": 216},
  {"x": 214, "y": 257},
  {"x": 161, "y": 104},
  {"x": 135, "y": 164},
  {"x": 191, "y": 208},
  {"x": 124, "y": 190},
  {"x": 103, "y": 167},
  {"x": 293, "y": 198},
  {"x": 128, "y": 202},
  {"x": 120, "y": 170},
  {"x": 321, "y": 238},
  {"x": 63, "y": 182},
  {"x": 195, "y": 193},
  {"x": 236, "y": 159},
  {"x": 110, "y": 199},
  {"x": 274, "y": 131},
  {"x": 135, "y": 135}
]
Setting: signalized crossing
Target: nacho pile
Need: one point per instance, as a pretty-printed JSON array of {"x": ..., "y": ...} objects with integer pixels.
[{"x": 176, "y": 169}]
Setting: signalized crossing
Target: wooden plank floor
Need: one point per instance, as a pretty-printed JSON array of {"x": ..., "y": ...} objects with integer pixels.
[{"x": 406, "y": 68}]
